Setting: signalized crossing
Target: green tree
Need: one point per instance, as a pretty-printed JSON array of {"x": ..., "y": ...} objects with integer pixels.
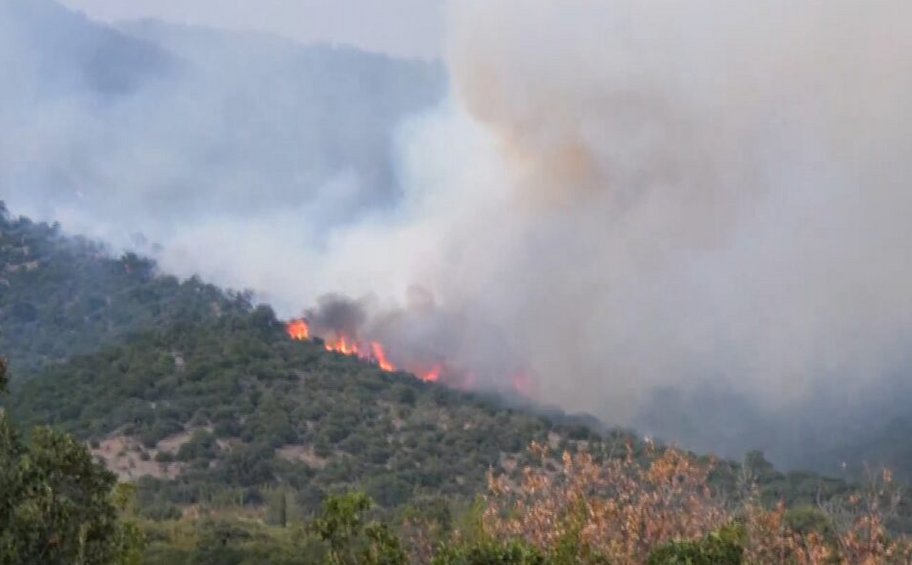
[
  {"x": 489, "y": 553},
  {"x": 56, "y": 503},
  {"x": 350, "y": 540},
  {"x": 718, "y": 548}
]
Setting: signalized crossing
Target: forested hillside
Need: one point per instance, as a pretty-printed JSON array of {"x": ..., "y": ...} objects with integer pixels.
[
  {"x": 204, "y": 396},
  {"x": 63, "y": 296},
  {"x": 202, "y": 400},
  {"x": 227, "y": 409}
]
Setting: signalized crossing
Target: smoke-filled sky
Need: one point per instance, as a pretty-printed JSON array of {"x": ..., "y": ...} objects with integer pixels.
[
  {"x": 620, "y": 198},
  {"x": 411, "y": 28}
]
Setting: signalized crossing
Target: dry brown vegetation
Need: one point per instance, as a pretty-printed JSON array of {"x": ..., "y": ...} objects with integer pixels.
[{"x": 623, "y": 510}]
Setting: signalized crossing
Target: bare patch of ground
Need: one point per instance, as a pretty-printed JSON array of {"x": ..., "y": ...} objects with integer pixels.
[
  {"x": 173, "y": 443},
  {"x": 303, "y": 454},
  {"x": 126, "y": 457}
]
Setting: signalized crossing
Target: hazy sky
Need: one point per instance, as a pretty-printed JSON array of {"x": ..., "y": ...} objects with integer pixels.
[{"x": 401, "y": 27}]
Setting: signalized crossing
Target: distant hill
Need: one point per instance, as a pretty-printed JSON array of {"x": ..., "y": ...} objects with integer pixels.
[
  {"x": 133, "y": 129},
  {"x": 50, "y": 53}
]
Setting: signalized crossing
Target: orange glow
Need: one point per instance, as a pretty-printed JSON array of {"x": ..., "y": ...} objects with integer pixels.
[
  {"x": 376, "y": 353},
  {"x": 348, "y": 346},
  {"x": 380, "y": 357},
  {"x": 342, "y": 344},
  {"x": 522, "y": 384},
  {"x": 433, "y": 375},
  {"x": 298, "y": 330}
]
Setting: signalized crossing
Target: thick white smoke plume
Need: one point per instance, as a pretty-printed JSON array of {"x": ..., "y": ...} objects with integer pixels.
[
  {"x": 703, "y": 190},
  {"x": 625, "y": 197}
]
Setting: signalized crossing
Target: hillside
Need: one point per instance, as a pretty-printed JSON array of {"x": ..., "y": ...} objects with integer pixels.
[
  {"x": 117, "y": 353},
  {"x": 203, "y": 399},
  {"x": 62, "y": 52},
  {"x": 227, "y": 410},
  {"x": 232, "y": 431},
  {"x": 61, "y": 297}
]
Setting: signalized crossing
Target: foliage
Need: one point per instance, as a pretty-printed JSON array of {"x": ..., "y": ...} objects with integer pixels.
[
  {"x": 65, "y": 296},
  {"x": 658, "y": 509},
  {"x": 111, "y": 350},
  {"x": 664, "y": 510},
  {"x": 490, "y": 553},
  {"x": 234, "y": 436},
  {"x": 257, "y": 410},
  {"x": 350, "y": 540},
  {"x": 620, "y": 508},
  {"x": 718, "y": 548},
  {"x": 56, "y": 504}
]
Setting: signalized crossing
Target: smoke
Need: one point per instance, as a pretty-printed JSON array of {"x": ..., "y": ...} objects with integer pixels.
[
  {"x": 254, "y": 148},
  {"x": 338, "y": 314},
  {"x": 688, "y": 216},
  {"x": 701, "y": 195}
]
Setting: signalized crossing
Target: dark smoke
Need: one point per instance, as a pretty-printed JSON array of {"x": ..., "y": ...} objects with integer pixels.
[{"x": 338, "y": 315}]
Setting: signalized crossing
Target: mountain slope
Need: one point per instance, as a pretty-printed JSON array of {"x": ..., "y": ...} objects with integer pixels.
[
  {"x": 238, "y": 405},
  {"x": 50, "y": 52},
  {"x": 62, "y": 296},
  {"x": 202, "y": 399},
  {"x": 228, "y": 410}
]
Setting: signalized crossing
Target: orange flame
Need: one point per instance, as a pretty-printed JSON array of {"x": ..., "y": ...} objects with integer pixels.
[
  {"x": 433, "y": 375},
  {"x": 351, "y": 347},
  {"x": 380, "y": 357},
  {"x": 375, "y": 352},
  {"x": 344, "y": 345},
  {"x": 298, "y": 330}
]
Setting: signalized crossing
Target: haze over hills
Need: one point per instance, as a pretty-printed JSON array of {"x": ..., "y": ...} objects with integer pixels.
[{"x": 134, "y": 134}]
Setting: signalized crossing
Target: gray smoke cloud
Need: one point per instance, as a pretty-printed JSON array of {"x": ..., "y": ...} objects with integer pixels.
[
  {"x": 701, "y": 195},
  {"x": 252, "y": 147},
  {"x": 653, "y": 210}
]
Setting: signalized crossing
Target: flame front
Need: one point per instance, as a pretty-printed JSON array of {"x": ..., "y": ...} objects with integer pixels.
[
  {"x": 344, "y": 345},
  {"x": 298, "y": 330},
  {"x": 380, "y": 357},
  {"x": 427, "y": 371}
]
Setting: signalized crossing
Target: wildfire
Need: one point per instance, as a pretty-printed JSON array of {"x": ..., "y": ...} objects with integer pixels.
[
  {"x": 298, "y": 330},
  {"x": 380, "y": 357},
  {"x": 375, "y": 352},
  {"x": 342, "y": 344},
  {"x": 433, "y": 375}
]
